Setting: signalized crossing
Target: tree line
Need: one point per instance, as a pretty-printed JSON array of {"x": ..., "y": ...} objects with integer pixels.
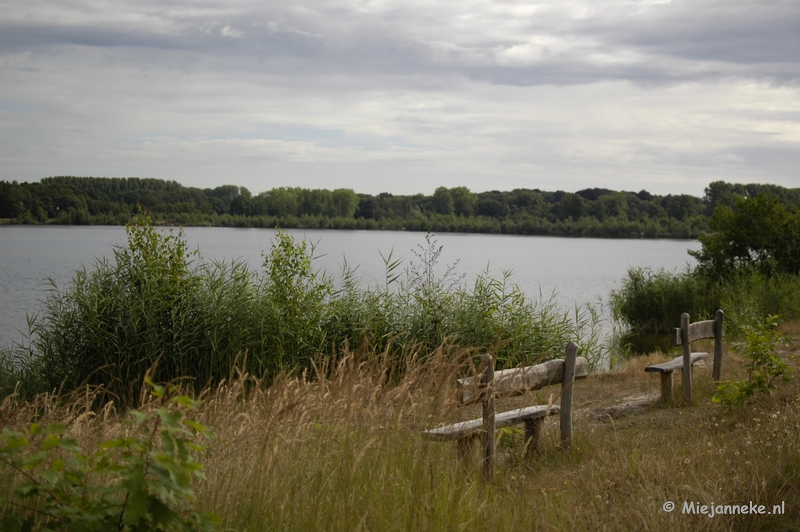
[{"x": 594, "y": 212}]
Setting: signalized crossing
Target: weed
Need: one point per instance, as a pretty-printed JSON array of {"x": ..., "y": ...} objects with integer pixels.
[
  {"x": 764, "y": 366},
  {"x": 139, "y": 481}
]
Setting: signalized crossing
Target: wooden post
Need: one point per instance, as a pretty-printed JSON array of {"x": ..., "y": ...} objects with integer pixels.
[
  {"x": 719, "y": 319},
  {"x": 533, "y": 435},
  {"x": 487, "y": 378},
  {"x": 566, "y": 394},
  {"x": 687, "y": 359},
  {"x": 666, "y": 386},
  {"x": 467, "y": 449}
]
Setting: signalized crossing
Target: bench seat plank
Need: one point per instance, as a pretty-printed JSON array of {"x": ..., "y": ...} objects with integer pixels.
[
  {"x": 456, "y": 431},
  {"x": 677, "y": 363}
]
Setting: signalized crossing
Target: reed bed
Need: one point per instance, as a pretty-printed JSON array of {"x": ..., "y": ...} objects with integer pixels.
[
  {"x": 154, "y": 303},
  {"x": 649, "y": 303}
]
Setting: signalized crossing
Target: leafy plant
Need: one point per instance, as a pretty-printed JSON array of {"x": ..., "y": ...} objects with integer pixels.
[
  {"x": 764, "y": 366},
  {"x": 295, "y": 300},
  {"x": 141, "y": 481}
]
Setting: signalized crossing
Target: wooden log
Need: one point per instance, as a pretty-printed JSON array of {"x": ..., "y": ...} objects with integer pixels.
[
  {"x": 566, "y": 394},
  {"x": 487, "y": 382},
  {"x": 719, "y": 320},
  {"x": 517, "y": 381},
  {"x": 687, "y": 359}
]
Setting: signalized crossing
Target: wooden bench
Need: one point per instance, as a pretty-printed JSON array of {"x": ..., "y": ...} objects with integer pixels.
[
  {"x": 684, "y": 336},
  {"x": 490, "y": 385}
]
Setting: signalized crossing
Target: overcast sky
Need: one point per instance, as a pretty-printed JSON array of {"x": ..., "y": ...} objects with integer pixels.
[{"x": 403, "y": 96}]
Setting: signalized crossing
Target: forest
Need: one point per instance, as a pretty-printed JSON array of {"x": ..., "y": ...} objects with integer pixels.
[{"x": 594, "y": 212}]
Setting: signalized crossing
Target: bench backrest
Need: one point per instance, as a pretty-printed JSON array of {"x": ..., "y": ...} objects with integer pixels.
[
  {"x": 490, "y": 384},
  {"x": 518, "y": 381},
  {"x": 699, "y": 330},
  {"x": 688, "y": 333}
]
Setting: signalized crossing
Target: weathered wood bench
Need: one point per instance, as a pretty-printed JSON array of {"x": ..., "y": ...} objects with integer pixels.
[
  {"x": 684, "y": 336},
  {"x": 490, "y": 385}
]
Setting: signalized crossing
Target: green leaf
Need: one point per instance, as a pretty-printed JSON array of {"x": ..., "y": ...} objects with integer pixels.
[
  {"x": 169, "y": 419},
  {"x": 55, "y": 428},
  {"x": 139, "y": 417},
  {"x": 186, "y": 402},
  {"x": 14, "y": 444},
  {"x": 157, "y": 390},
  {"x": 70, "y": 444},
  {"x": 32, "y": 460},
  {"x": 199, "y": 427},
  {"x": 50, "y": 442}
]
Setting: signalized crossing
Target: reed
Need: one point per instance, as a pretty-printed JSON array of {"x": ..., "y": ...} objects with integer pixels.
[
  {"x": 649, "y": 303},
  {"x": 155, "y": 305}
]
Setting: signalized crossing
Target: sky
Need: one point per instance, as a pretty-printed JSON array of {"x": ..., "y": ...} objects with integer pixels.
[{"x": 403, "y": 96}]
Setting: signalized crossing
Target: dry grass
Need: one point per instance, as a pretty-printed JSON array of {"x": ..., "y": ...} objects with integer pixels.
[
  {"x": 790, "y": 328},
  {"x": 342, "y": 451}
]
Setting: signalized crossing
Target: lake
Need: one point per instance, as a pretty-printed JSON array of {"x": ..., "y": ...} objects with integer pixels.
[{"x": 575, "y": 271}]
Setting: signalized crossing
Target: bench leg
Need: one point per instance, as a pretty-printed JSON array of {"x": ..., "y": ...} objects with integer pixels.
[
  {"x": 533, "y": 436},
  {"x": 666, "y": 386},
  {"x": 468, "y": 449}
]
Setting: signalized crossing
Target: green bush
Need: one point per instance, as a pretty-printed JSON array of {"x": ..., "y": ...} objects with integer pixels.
[
  {"x": 112, "y": 324},
  {"x": 747, "y": 267},
  {"x": 764, "y": 366},
  {"x": 140, "y": 481},
  {"x": 760, "y": 234}
]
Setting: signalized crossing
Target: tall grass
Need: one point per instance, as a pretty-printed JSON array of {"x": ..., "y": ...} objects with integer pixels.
[
  {"x": 339, "y": 448},
  {"x": 156, "y": 305}
]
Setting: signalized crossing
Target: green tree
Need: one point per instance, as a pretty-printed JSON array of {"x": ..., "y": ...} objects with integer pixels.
[
  {"x": 570, "y": 205},
  {"x": 463, "y": 201},
  {"x": 241, "y": 204},
  {"x": 442, "y": 201},
  {"x": 345, "y": 202},
  {"x": 759, "y": 233}
]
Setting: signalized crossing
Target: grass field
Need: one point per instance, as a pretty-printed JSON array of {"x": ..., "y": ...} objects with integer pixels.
[{"x": 340, "y": 449}]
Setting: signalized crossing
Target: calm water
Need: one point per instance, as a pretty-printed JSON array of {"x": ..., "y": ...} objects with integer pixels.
[{"x": 576, "y": 270}]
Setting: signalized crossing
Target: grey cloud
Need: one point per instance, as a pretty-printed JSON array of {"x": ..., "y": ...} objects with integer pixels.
[
  {"x": 450, "y": 89},
  {"x": 666, "y": 43},
  {"x": 16, "y": 37},
  {"x": 741, "y": 39}
]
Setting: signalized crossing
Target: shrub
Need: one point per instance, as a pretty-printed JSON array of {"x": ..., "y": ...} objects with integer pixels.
[
  {"x": 764, "y": 366},
  {"x": 140, "y": 481}
]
